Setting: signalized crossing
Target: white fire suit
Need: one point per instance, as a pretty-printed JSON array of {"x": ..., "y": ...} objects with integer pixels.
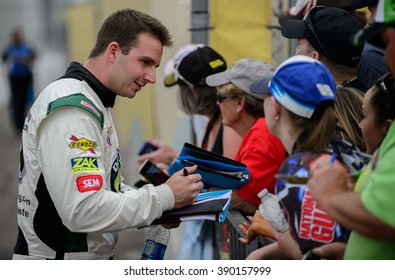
[{"x": 71, "y": 200}]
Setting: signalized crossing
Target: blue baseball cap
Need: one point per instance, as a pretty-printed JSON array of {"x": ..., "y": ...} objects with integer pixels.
[{"x": 299, "y": 84}]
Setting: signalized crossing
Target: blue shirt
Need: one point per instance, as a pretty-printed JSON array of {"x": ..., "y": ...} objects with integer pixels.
[{"x": 18, "y": 58}]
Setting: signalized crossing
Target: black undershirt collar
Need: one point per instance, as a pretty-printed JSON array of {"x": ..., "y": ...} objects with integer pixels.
[{"x": 79, "y": 72}]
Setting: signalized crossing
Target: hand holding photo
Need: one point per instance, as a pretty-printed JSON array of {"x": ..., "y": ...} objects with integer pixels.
[{"x": 293, "y": 179}]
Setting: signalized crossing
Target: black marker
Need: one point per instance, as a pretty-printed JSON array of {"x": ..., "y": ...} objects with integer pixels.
[{"x": 184, "y": 172}]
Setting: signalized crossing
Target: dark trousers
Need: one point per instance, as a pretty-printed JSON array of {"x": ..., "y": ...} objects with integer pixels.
[{"x": 19, "y": 90}]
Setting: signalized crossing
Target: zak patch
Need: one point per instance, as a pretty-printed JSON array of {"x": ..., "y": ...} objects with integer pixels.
[
  {"x": 89, "y": 183},
  {"x": 84, "y": 164},
  {"x": 83, "y": 144}
]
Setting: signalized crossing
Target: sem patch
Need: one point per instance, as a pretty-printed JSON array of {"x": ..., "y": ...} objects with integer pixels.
[
  {"x": 84, "y": 164},
  {"x": 83, "y": 144},
  {"x": 89, "y": 183}
]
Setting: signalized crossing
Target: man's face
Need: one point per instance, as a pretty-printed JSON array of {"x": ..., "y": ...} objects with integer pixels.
[{"x": 134, "y": 70}]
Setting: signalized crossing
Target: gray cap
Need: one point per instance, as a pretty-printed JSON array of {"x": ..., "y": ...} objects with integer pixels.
[{"x": 242, "y": 74}]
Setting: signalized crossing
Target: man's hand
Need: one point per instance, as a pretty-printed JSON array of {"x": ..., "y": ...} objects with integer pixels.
[{"x": 185, "y": 188}]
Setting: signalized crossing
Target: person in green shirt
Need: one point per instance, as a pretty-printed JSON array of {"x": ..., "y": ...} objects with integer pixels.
[{"x": 368, "y": 209}]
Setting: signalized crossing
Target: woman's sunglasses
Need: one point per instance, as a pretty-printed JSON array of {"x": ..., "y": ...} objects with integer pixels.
[
  {"x": 221, "y": 97},
  {"x": 386, "y": 84},
  {"x": 307, "y": 20}
]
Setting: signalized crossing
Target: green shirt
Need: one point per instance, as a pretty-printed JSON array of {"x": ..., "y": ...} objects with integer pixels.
[{"x": 377, "y": 186}]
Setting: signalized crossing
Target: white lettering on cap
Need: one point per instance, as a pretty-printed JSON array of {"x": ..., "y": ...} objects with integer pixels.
[{"x": 325, "y": 90}]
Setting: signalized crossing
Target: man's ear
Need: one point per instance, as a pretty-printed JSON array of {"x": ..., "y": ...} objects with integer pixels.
[
  {"x": 113, "y": 49},
  {"x": 316, "y": 55}
]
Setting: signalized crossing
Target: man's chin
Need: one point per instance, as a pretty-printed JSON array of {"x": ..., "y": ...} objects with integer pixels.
[{"x": 131, "y": 95}]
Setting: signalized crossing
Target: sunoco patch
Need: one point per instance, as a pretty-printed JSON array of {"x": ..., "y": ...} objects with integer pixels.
[{"x": 83, "y": 144}]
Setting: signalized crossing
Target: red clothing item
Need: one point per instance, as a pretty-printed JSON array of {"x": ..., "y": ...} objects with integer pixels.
[{"x": 262, "y": 153}]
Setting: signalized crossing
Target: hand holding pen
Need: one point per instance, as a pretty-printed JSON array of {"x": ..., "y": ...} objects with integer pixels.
[
  {"x": 185, "y": 185},
  {"x": 322, "y": 162},
  {"x": 332, "y": 159}
]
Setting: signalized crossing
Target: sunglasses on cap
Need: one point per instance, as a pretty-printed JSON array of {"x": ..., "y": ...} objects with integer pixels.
[
  {"x": 307, "y": 20},
  {"x": 386, "y": 84},
  {"x": 177, "y": 74}
]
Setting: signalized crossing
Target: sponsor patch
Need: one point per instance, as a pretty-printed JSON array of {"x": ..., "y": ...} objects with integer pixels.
[
  {"x": 83, "y": 144},
  {"x": 110, "y": 131},
  {"x": 84, "y": 164},
  {"x": 89, "y": 183},
  {"x": 86, "y": 104}
]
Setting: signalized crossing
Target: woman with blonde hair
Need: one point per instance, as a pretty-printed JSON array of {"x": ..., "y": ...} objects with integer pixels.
[
  {"x": 242, "y": 111},
  {"x": 348, "y": 112}
]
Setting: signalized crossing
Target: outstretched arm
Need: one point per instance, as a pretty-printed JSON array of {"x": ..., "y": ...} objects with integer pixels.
[{"x": 329, "y": 187}]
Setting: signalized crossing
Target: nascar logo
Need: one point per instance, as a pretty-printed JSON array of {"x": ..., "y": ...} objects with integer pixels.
[{"x": 83, "y": 144}]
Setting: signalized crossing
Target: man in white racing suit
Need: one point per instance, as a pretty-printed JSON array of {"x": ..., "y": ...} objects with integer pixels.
[{"x": 71, "y": 200}]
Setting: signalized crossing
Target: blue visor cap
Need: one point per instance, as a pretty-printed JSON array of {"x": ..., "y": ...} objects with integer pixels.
[{"x": 301, "y": 83}]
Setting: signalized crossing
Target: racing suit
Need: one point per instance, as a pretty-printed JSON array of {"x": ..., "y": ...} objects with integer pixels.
[{"x": 71, "y": 199}]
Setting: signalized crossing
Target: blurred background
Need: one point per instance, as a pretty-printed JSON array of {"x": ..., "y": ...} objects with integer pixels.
[{"x": 61, "y": 31}]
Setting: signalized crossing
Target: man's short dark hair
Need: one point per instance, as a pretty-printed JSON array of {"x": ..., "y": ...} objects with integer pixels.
[{"x": 124, "y": 27}]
